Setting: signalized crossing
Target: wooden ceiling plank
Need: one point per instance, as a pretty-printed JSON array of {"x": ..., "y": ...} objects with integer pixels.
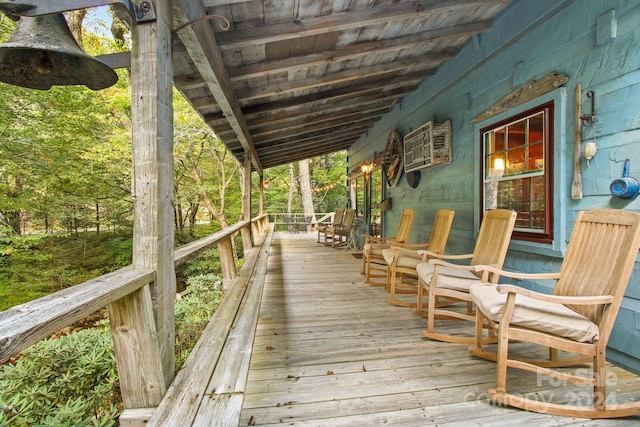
[
  {"x": 427, "y": 62},
  {"x": 355, "y": 51},
  {"x": 338, "y": 22}
]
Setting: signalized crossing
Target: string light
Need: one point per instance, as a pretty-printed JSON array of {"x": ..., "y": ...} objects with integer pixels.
[{"x": 325, "y": 188}]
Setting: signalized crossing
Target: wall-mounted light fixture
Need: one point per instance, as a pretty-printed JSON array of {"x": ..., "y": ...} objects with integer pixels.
[
  {"x": 590, "y": 148},
  {"x": 366, "y": 168}
]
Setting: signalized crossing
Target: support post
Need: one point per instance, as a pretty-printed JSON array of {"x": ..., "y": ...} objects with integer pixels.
[
  {"x": 246, "y": 202},
  {"x": 143, "y": 323},
  {"x": 227, "y": 261}
]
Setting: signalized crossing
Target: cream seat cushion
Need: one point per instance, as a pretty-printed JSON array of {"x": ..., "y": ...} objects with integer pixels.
[
  {"x": 552, "y": 318},
  {"x": 448, "y": 278},
  {"x": 376, "y": 251},
  {"x": 406, "y": 259}
]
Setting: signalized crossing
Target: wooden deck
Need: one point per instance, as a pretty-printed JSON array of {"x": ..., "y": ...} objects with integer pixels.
[{"x": 329, "y": 350}]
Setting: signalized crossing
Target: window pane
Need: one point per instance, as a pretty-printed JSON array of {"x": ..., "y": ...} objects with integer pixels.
[{"x": 516, "y": 173}]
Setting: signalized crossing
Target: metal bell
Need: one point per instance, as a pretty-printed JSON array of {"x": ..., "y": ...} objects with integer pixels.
[{"x": 42, "y": 53}]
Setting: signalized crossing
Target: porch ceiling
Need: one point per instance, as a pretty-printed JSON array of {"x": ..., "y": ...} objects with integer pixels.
[{"x": 294, "y": 79}]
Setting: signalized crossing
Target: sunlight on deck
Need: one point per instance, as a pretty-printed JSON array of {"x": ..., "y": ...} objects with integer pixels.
[{"x": 329, "y": 350}]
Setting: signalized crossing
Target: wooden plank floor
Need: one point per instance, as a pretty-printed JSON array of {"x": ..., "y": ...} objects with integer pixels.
[{"x": 330, "y": 351}]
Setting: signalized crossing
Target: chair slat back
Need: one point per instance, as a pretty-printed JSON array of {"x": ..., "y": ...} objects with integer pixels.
[
  {"x": 493, "y": 239},
  {"x": 349, "y": 216},
  {"x": 600, "y": 257},
  {"x": 404, "y": 228},
  {"x": 338, "y": 217},
  {"x": 440, "y": 230}
]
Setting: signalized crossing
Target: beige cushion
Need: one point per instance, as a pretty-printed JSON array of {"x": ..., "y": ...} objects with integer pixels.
[
  {"x": 553, "y": 318},
  {"x": 374, "y": 249},
  {"x": 406, "y": 259},
  {"x": 448, "y": 277}
]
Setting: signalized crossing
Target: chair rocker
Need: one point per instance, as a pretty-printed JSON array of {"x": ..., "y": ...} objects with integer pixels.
[
  {"x": 402, "y": 261},
  {"x": 338, "y": 217},
  {"x": 577, "y": 318},
  {"x": 446, "y": 284},
  {"x": 372, "y": 259},
  {"x": 337, "y": 232}
]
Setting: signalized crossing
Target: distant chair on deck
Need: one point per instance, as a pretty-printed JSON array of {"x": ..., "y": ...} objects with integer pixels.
[
  {"x": 372, "y": 259},
  {"x": 289, "y": 222},
  {"x": 577, "y": 318},
  {"x": 338, "y": 217},
  {"x": 402, "y": 261},
  {"x": 341, "y": 231}
]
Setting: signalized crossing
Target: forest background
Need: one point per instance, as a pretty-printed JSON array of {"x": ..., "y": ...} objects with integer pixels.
[{"x": 66, "y": 211}]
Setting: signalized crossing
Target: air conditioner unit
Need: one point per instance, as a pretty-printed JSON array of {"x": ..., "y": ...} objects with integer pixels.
[{"x": 427, "y": 146}]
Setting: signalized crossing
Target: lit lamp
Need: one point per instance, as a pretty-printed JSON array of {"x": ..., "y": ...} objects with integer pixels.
[{"x": 498, "y": 167}]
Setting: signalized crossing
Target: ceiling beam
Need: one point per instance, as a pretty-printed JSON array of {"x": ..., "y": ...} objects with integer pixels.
[
  {"x": 357, "y": 51},
  {"x": 195, "y": 38},
  {"x": 248, "y": 37}
]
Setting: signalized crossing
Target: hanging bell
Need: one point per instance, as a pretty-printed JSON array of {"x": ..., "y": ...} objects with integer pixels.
[{"x": 42, "y": 53}]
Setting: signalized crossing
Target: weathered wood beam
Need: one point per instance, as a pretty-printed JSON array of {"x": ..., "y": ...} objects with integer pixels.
[
  {"x": 319, "y": 129},
  {"x": 351, "y": 52},
  {"x": 325, "y": 121},
  {"x": 28, "y": 323},
  {"x": 142, "y": 323},
  {"x": 200, "y": 42},
  {"x": 247, "y": 37},
  {"x": 427, "y": 63}
]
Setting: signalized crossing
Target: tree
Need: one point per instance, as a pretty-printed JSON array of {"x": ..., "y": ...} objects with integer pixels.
[
  {"x": 205, "y": 171},
  {"x": 306, "y": 195}
]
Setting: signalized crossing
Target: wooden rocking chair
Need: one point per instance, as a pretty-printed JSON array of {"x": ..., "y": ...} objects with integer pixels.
[
  {"x": 338, "y": 217},
  {"x": 402, "y": 261},
  {"x": 451, "y": 282},
  {"x": 372, "y": 259},
  {"x": 577, "y": 318},
  {"x": 337, "y": 232}
]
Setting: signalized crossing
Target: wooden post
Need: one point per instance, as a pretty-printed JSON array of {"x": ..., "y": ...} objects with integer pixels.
[
  {"x": 227, "y": 260},
  {"x": 246, "y": 202},
  {"x": 261, "y": 200},
  {"x": 143, "y": 323}
]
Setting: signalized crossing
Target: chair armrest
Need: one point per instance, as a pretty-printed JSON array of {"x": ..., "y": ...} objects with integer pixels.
[
  {"x": 566, "y": 300},
  {"x": 375, "y": 239},
  {"x": 516, "y": 275},
  {"x": 451, "y": 265},
  {"x": 410, "y": 245},
  {"x": 445, "y": 256}
]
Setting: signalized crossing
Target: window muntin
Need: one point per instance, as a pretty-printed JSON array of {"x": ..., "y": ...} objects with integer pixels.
[{"x": 517, "y": 171}]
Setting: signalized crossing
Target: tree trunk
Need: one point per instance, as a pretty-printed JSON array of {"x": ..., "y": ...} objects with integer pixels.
[{"x": 305, "y": 192}]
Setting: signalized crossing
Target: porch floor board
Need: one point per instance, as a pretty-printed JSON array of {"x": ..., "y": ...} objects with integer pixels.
[{"x": 330, "y": 351}]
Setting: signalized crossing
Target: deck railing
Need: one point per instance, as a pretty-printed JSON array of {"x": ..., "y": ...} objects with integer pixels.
[{"x": 26, "y": 324}]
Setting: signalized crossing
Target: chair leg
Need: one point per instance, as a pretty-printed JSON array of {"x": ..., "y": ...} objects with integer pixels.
[{"x": 420, "y": 303}]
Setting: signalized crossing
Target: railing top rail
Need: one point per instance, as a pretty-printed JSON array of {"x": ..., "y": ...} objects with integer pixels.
[
  {"x": 28, "y": 323},
  {"x": 191, "y": 250}
]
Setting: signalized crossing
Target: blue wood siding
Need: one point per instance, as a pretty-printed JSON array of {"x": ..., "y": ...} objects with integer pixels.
[{"x": 593, "y": 42}]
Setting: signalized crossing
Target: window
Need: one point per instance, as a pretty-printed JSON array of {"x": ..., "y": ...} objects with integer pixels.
[{"x": 517, "y": 171}]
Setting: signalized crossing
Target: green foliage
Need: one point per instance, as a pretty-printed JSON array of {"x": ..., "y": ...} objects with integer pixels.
[
  {"x": 32, "y": 266},
  {"x": 72, "y": 380},
  {"x": 69, "y": 381},
  {"x": 194, "y": 311}
]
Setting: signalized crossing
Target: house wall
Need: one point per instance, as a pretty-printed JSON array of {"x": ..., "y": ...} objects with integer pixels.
[{"x": 528, "y": 41}]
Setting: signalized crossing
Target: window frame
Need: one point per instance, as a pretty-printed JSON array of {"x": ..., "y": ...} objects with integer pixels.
[
  {"x": 545, "y": 235},
  {"x": 561, "y": 177}
]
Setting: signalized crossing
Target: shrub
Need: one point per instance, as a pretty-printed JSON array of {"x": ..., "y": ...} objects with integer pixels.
[{"x": 72, "y": 380}]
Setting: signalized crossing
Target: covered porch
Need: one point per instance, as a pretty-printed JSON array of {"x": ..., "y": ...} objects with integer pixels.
[{"x": 329, "y": 350}]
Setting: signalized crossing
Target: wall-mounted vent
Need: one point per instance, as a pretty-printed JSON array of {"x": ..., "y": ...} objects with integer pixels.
[{"x": 427, "y": 146}]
